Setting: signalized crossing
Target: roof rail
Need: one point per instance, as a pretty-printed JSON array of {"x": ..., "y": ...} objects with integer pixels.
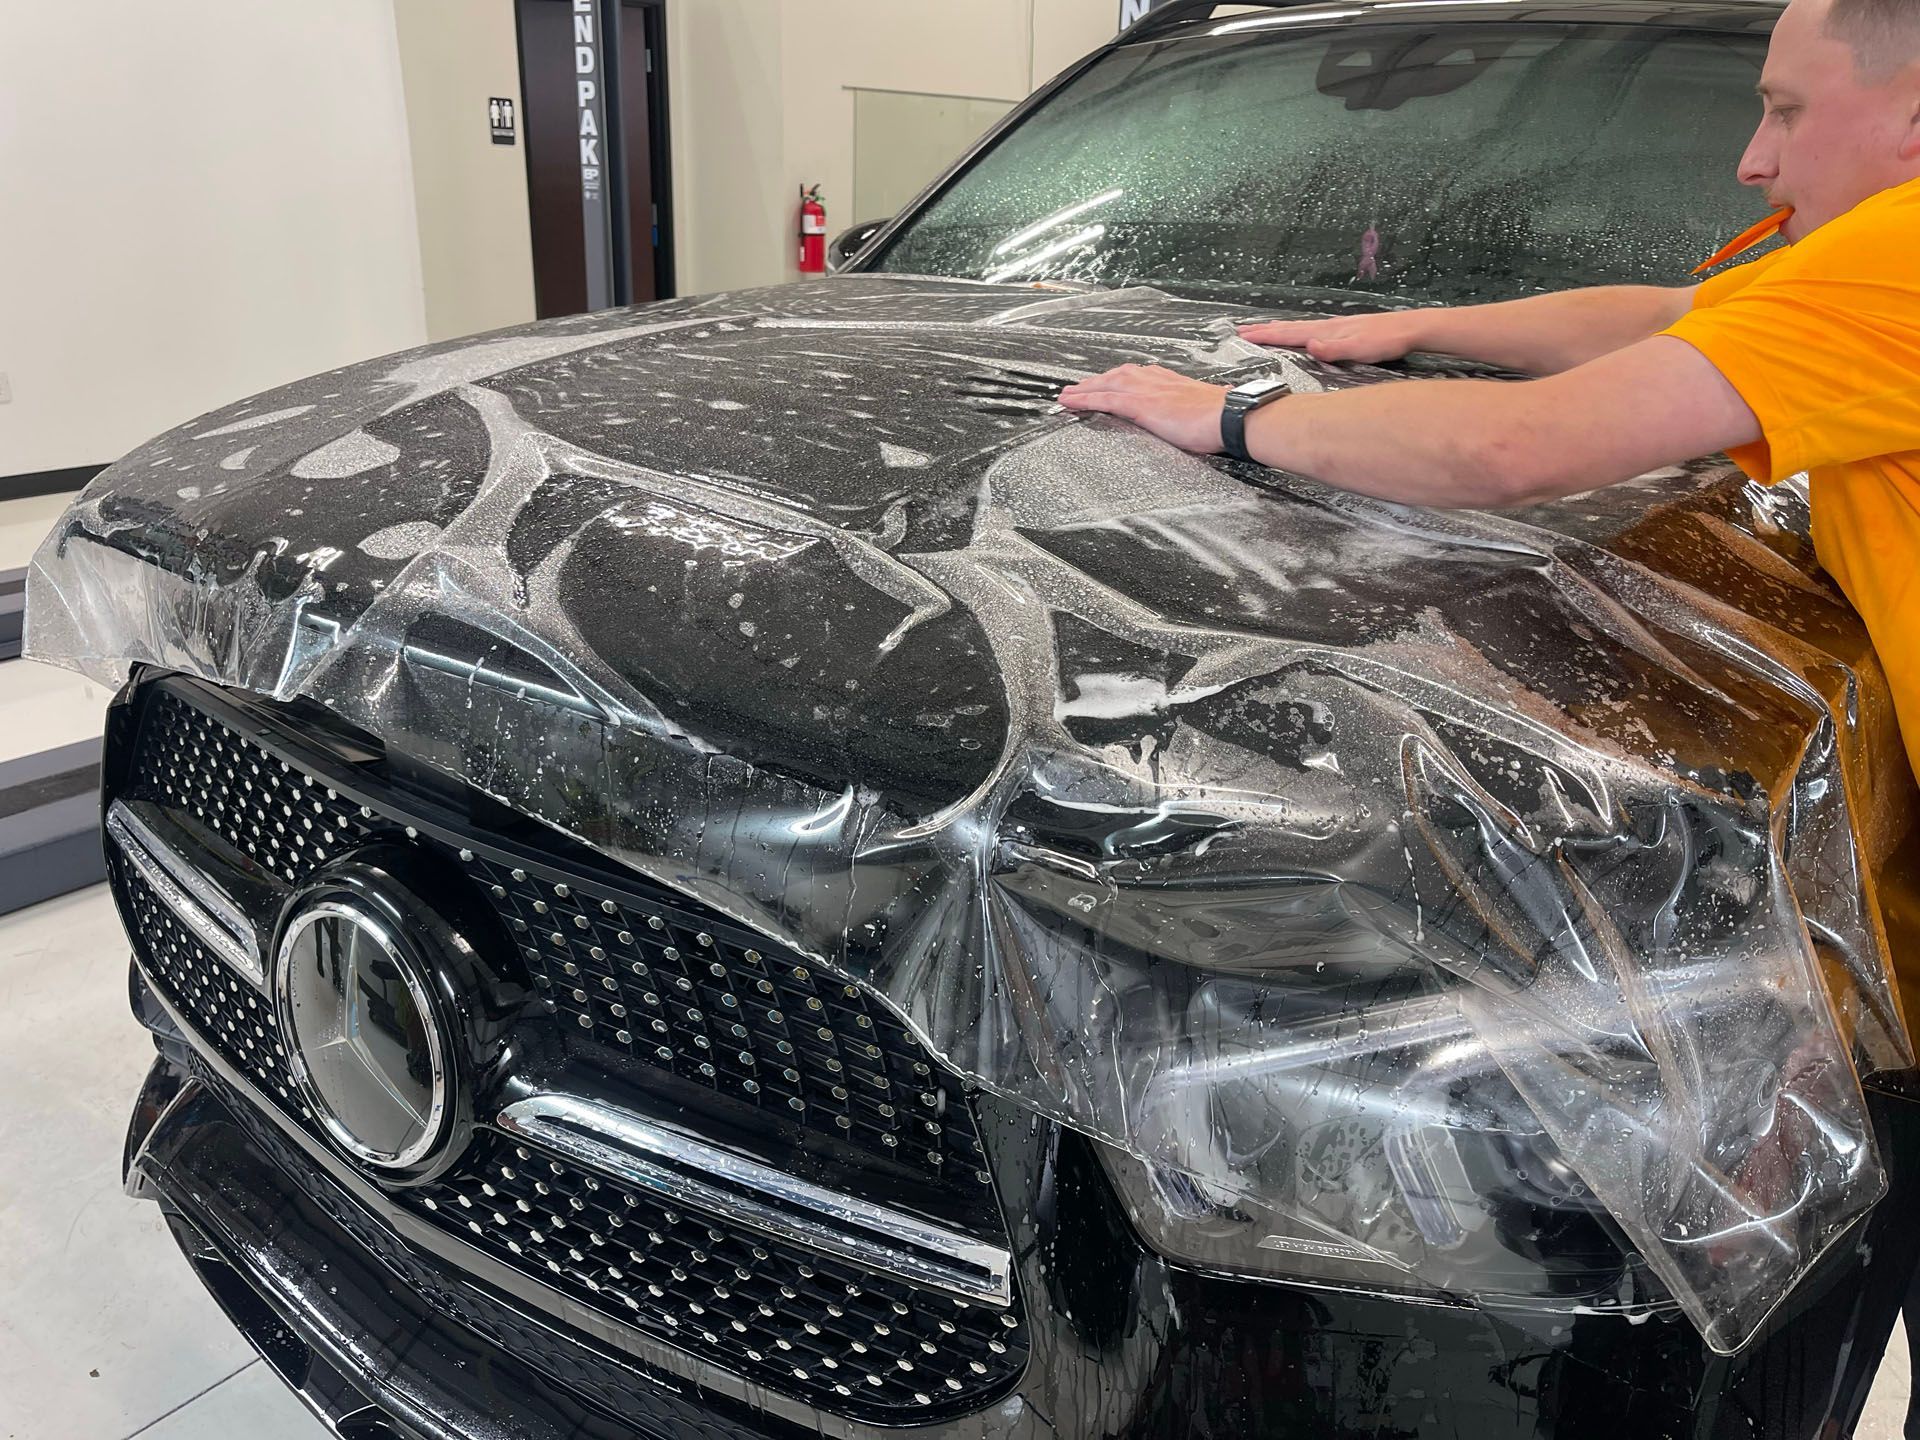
[{"x": 1171, "y": 13}]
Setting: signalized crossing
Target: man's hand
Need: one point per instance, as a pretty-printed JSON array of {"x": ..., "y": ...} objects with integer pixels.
[
  {"x": 1540, "y": 335},
  {"x": 1360, "y": 339},
  {"x": 1180, "y": 410}
]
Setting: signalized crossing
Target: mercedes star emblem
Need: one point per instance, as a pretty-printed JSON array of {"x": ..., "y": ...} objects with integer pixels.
[{"x": 361, "y": 1032}]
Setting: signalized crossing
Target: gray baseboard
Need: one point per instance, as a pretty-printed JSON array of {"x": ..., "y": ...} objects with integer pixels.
[
  {"x": 50, "y": 825},
  {"x": 13, "y": 611},
  {"x": 47, "y": 482}
]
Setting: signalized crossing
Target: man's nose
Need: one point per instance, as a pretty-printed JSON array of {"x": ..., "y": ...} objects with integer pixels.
[{"x": 1760, "y": 165}]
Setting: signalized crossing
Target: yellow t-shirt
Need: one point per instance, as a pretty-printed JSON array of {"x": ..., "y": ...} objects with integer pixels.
[{"x": 1822, "y": 340}]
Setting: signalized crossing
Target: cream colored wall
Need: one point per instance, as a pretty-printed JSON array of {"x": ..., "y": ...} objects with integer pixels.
[
  {"x": 732, "y": 217},
  {"x": 763, "y": 102},
  {"x": 1064, "y": 30},
  {"x": 900, "y": 139},
  {"x": 229, "y": 201},
  {"x": 921, "y": 46},
  {"x": 470, "y": 195},
  {"x": 198, "y": 200}
]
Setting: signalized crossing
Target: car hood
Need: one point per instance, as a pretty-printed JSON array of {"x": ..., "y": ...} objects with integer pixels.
[{"x": 1121, "y": 772}]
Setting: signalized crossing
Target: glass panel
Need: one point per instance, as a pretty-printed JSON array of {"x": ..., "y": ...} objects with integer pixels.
[{"x": 901, "y": 142}]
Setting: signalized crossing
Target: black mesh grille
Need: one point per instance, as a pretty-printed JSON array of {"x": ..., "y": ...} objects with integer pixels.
[
  {"x": 842, "y": 1338},
  {"x": 234, "y": 1017},
  {"x": 631, "y": 973},
  {"x": 688, "y": 993},
  {"x": 286, "y": 822}
]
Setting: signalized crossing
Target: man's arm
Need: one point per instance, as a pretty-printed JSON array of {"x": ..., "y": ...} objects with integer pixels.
[
  {"x": 1461, "y": 443},
  {"x": 1541, "y": 335}
]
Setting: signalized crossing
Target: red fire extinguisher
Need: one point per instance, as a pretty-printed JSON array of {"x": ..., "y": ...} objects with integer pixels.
[{"x": 813, "y": 232}]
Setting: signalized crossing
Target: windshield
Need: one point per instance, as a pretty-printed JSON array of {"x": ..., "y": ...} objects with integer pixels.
[{"x": 1440, "y": 162}]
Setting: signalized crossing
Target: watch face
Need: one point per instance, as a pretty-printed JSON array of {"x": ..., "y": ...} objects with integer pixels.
[{"x": 1260, "y": 389}]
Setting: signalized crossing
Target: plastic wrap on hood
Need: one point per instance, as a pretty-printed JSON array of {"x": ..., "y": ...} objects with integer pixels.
[{"x": 1316, "y": 853}]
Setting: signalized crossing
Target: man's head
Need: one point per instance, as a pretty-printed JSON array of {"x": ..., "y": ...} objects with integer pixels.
[{"x": 1842, "y": 96}]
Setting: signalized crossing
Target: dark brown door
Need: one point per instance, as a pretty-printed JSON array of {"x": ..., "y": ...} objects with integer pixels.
[
  {"x": 636, "y": 131},
  {"x": 553, "y": 157},
  {"x": 636, "y": 156}
]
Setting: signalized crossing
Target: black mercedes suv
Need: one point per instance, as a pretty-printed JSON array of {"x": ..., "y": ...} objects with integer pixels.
[{"x": 728, "y": 869}]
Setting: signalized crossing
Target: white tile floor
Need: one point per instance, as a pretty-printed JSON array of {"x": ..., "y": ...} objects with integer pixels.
[
  {"x": 104, "y": 1332},
  {"x": 1886, "y": 1412}
]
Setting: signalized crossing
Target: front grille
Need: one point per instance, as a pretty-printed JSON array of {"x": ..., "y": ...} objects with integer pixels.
[
  {"x": 636, "y": 979},
  {"x": 842, "y": 1337},
  {"x": 669, "y": 984},
  {"x": 586, "y": 1371}
]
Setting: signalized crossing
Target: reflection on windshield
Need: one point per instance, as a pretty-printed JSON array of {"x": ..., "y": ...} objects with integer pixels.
[
  {"x": 1055, "y": 220},
  {"x": 1405, "y": 162},
  {"x": 1029, "y": 263}
]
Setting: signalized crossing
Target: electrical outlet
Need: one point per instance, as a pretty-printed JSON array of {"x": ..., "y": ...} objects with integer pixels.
[{"x": 6, "y": 389}]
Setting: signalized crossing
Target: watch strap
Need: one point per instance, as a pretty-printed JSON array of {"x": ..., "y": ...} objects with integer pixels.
[
  {"x": 1241, "y": 402},
  {"x": 1233, "y": 428}
]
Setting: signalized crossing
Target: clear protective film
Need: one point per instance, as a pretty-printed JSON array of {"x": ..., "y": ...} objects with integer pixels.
[{"x": 1479, "y": 906}]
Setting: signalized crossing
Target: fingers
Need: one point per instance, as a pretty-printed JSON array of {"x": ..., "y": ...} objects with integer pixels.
[
  {"x": 1123, "y": 378},
  {"x": 1290, "y": 333},
  {"x": 1130, "y": 392},
  {"x": 1113, "y": 383},
  {"x": 1177, "y": 408},
  {"x": 1339, "y": 346},
  {"x": 1361, "y": 338},
  {"x": 1126, "y": 404},
  {"x": 1088, "y": 393},
  {"x": 1323, "y": 339},
  {"x": 1330, "y": 344}
]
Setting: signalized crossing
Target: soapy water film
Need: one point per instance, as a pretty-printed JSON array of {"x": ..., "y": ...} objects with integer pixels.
[{"x": 1406, "y": 891}]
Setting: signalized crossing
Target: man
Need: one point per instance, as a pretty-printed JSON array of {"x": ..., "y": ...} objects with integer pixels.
[{"x": 1806, "y": 359}]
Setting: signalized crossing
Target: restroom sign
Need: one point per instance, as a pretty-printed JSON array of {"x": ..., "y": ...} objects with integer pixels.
[{"x": 500, "y": 116}]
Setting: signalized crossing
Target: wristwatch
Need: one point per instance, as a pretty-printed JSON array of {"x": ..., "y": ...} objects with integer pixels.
[{"x": 1242, "y": 401}]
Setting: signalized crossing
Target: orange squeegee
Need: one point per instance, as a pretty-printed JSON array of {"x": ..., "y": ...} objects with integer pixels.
[{"x": 1746, "y": 240}]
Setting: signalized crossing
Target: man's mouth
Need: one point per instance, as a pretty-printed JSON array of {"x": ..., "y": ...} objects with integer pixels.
[{"x": 1774, "y": 224}]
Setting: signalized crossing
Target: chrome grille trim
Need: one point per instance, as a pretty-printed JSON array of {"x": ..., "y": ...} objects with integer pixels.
[
  {"x": 629, "y": 1148},
  {"x": 199, "y": 904}
]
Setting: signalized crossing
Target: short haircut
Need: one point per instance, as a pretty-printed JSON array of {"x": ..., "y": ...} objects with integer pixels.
[{"x": 1884, "y": 34}]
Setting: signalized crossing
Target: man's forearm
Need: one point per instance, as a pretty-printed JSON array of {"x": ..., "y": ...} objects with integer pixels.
[
  {"x": 1546, "y": 334},
  {"x": 1476, "y": 443},
  {"x": 1420, "y": 442},
  {"x": 1493, "y": 444}
]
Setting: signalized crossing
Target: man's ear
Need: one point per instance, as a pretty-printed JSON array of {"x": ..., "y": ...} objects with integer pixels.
[{"x": 1910, "y": 86}]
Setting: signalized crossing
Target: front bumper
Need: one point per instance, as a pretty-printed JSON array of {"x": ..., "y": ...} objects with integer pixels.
[
  {"x": 391, "y": 1322},
  {"x": 381, "y": 1340},
  {"x": 367, "y": 1354}
]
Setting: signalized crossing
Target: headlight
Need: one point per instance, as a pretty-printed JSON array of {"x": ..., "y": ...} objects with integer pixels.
[{"x": 1405, "y": 1162}]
